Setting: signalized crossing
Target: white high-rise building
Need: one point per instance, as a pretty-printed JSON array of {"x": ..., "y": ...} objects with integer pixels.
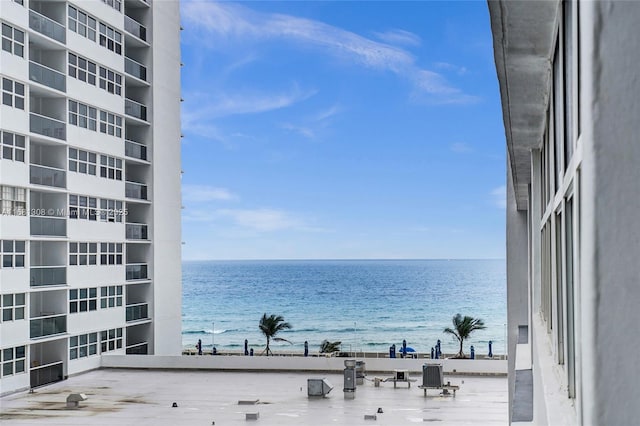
[
  {"x": 90, "y": 185},
  {"x": 570, "y": 88}
]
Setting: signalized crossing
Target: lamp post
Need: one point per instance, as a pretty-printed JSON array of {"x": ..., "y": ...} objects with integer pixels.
[{"x": 213, "y": 336}]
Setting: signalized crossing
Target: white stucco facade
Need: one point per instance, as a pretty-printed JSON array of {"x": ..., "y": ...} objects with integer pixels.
[
  {"x": 569, "y": 85},
  {"x": 90, "y": 183}
]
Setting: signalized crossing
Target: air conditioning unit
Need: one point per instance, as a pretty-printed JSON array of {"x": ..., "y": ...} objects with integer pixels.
[
  {"x": 432, "y": 376},
  {"x": 401, "y": 375},
  {"x": 318, "y": 387}
]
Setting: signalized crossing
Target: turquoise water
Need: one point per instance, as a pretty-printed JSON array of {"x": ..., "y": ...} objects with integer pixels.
[{"x": 366, "y": 304}]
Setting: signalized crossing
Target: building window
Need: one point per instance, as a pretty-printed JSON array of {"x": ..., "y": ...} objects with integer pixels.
[
  {"x": 12, "y": 93},
  {"x": 83, "y": 253},
  {"x": 568, "y": 57},
  {"x": 13, "y": 360},
  {"x": 13, "y": 146},
  {"x": 83, "y": 300},
  {"x": 81, "y": 23},
  {"x": 111, "y": 253},
  {"x": 570, "y": 292},
  {"x": 82, "y": 115},
  {"x": 111, "y": 211},
  {"x": 110, "y": 296},
  {"x": 83, "y": 345},
  {"x": 110, "y": 81},
  {"x": 110, "y": 340},
  {"x": 82, "y": 161},
  {"x": 82, "y": 69},
  {"x": 20, "y": 2},
  {"x": 14, "y": 201},
  {"x": 111, "y": 124},
  {"x": 81, "y": 207},
  {"x": 12, "y": 40},
  {"x": 110, "y": 38},
  {"x": 13, "y": 306},
  {"x": 110, "y": 167},
  {"x": 116, "y": 4},
  {"x": 13, "y": 253}
]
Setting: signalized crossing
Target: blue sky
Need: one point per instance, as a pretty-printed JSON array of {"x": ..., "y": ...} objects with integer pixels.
[{"x": 341, "y": 130}]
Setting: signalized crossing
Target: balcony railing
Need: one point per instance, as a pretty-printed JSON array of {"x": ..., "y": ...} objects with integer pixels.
[
  {"x": 47, "y": 76},
  {"x": 135, "y": 150},
  {"x": 48, "y": 326},
  {"x": 134, "y": 27},
  {"x": 137, "y": 271},
  {"x": 135, "y": 190},
  {"x": 47, "y": 26},
  {"x": 48, "y": 226},
  {"x": 48, "y": 275},
  {"x": 47, "y": 126},
  {"x": 135, "y": 109},
  {"x": 137, "y": 312},
  {"x": 136, "y": 231},
  {"x": 49, "y": 176},
  {"x": 138, "y": 349},
  {"x": 45, "y": 374},
  {"x": 135, "y": 69}
]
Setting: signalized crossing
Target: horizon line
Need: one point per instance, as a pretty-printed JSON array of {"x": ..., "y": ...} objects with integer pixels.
[{"x": 340, "y": 259}]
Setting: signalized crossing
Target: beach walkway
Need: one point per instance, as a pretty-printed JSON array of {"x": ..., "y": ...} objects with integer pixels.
[{"x": 145, "y": 397}]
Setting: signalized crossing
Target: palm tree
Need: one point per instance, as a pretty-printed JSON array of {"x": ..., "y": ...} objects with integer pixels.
[
  {"x": 462, "y": 329},
  {"x": 327, "y": 347},
  {"x": 270, "y": 326}
]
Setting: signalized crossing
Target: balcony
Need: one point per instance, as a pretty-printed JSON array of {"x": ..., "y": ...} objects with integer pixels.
[
  {"x": 48, "y": 176},
  {"x": 137, "y": 312},
  {"x": 135, "y": 190},
  {"x": 135, "y": 69},
  {"x": 135, "y": 150},
  {"x": 47, "y": 76},
  {"x": 48, "y": 275},
  {"x": 136, "y": 231},
  {"x": 47, "y": 126},
  {"x": 48, "y": 326},
  {"x": 47, "y": 26},
  {"x": 45, "y": 374},
  {"x": 138, "y": 349},
  {"x": 135, "y": 109},
  {"x": 137, "y": 271},
  {"x": 133, "y": 27},
  {"x": 48, "y": 226}
]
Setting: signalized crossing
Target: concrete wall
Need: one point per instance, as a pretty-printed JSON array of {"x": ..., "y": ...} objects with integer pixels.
[
  {"x": 610, "y": 218},
  {"x": 167, "y": 236},
  {"x": 517, "y": 275},
  {"x": 279, "y": 363}
]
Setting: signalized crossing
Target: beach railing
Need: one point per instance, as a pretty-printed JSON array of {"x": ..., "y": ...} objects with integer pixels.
[{"x": 370, "y": 355}]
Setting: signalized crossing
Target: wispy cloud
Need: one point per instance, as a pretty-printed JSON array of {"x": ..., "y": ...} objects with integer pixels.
[
  {"x": 216, "y": 105},
  {"x": 499, "y": 196},
  {"x": 304, "y": 131},
  {"x": 399, "y": 37},
  {"x": 204, "y": 193},
  {"x": 451, "y": 67},
  {"x": 461, "y": 147},
  {"x": 227, "y": 21},
  {"x": 311, "y": 126},
  {"x": 263, "y": 220},
  {"x": 328, "y": 113}
]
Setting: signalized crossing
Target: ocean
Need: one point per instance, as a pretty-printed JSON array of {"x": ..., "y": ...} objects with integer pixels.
[{"x": 368, "y": 305}]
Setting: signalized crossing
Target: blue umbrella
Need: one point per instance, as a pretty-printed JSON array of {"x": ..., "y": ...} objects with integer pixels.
[{"x": 409, "y": 349}]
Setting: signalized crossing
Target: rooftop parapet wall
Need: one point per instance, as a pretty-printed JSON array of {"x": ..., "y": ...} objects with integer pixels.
[{"x": 287, "y": 363}]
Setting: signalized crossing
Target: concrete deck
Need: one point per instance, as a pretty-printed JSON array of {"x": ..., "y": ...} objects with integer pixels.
[{"x": 145, "y": 397}]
